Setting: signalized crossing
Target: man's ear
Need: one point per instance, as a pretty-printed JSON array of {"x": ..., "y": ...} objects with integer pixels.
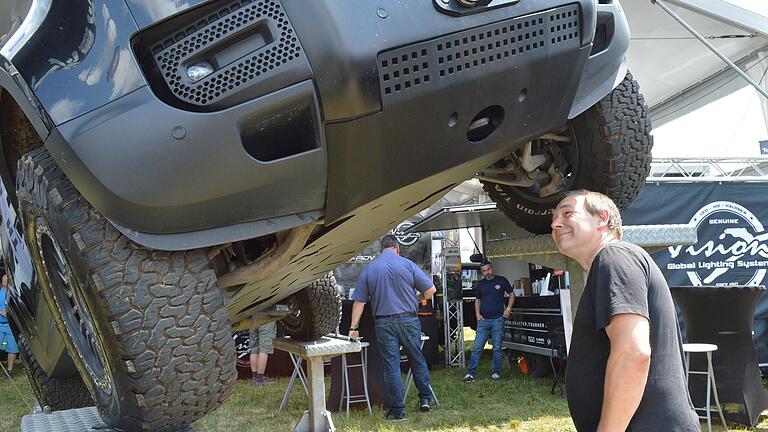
[{"x": 603, "y": 219}]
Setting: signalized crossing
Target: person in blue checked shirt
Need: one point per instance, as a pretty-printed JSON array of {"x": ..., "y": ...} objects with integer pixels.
[
  {"x": 390, "y": 283},
  {"x": 491, "y": 313}
]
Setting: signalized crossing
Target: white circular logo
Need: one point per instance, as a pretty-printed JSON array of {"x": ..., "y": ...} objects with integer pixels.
[{"x": 405, "y": 239}]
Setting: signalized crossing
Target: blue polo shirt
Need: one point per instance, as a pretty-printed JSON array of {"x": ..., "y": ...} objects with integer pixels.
[
  {"x": 491, "y": 292},
  {"x": 388, "y": 283}
]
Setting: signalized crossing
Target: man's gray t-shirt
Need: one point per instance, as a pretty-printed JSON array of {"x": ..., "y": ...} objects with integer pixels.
[
  {"x": 388, "y": 283},
  {"x": 624, "y": 279}
]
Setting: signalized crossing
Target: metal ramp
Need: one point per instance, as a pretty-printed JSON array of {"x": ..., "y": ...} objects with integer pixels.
[
  {"x": 316, "y": 419},
  {"x": 73, "y": 420},
  {"x": 541, "y": 249}
]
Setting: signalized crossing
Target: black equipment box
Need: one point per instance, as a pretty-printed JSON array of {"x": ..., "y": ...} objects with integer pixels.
[{"x": 536, "y": 326}]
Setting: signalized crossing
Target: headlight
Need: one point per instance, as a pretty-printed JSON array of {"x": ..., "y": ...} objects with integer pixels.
[{"x": 198, "y": 71}]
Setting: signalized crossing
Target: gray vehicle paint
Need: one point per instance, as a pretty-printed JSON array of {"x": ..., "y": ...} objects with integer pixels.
[{"x": 118, "y": 141}]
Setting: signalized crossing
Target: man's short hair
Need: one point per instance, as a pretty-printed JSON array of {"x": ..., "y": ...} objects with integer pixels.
[
  {"x": 389, "y": 241},
  {"x": 595, "y": 202},
  {"x": 485, "y": 262}
]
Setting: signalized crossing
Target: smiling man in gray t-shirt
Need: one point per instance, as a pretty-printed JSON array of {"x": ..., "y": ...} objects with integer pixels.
[{"x": 625, "y": 364}]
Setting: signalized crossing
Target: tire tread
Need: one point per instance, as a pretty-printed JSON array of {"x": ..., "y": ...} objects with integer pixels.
[
  {"x": 320, "y": 310},
  {"x": 173, "y": 327},
  {"x": 61, "y": 393}
]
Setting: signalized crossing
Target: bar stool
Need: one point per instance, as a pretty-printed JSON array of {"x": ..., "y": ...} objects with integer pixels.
[
  {"x": 409, "y": 377},
  {"x": 345, "y": 390},
  {"x": 708, "y": 349}
]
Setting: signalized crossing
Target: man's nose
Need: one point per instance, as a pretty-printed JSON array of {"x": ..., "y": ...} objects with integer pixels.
[{"x": 556, "y": 224}]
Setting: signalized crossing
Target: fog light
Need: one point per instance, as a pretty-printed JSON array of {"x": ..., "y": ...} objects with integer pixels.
[{"x": 198, "y": 71}]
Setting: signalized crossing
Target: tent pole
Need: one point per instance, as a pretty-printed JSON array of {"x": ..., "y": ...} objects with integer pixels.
[{"x": 706, "y": 43}]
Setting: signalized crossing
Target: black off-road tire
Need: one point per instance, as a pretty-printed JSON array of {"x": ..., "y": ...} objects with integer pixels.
[
  {"x": 613, "y": 157},
  {"x": 316, "y": 310},
  {"x": 55, "y": 393},
  {"x": 159, "y": 328}
]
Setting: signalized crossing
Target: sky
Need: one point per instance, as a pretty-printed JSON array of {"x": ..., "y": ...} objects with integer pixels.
[{"x": 731, "y": 126}]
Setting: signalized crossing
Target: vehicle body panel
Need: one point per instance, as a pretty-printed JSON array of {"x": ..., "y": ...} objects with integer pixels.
[
  {"x": 78, "y": 58},
  {"x": 201, "y": 174},
  {"x": 173, "y": 171},
  {"x": 350, "y": 101},
  {"x": 148, "y": 12}
]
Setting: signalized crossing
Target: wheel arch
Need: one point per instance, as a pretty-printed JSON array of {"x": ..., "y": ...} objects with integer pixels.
[{"x": 19, "y": 112}]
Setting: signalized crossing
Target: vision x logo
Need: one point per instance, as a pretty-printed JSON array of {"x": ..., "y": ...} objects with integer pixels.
[{"x": 732, "y": 247}]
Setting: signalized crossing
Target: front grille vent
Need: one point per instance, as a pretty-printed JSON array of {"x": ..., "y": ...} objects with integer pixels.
[
  {"x": 436, "y": 61},
  {"x": 260, "y": 27},
  {"x": 564, "y": 26}
]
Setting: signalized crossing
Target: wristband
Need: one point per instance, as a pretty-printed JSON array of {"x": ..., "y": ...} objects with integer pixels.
[{"x": 353, "y": 329}]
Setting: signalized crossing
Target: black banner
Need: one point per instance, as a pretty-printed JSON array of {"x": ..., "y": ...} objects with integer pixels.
[{"x": 732, "y": 248}]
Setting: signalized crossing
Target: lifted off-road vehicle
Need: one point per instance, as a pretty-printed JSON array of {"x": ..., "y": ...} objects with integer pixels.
[{"x": 173, "y": 171}]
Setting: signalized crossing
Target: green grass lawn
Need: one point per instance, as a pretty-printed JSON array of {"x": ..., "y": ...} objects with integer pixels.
[{"x": 518, "y": 403}]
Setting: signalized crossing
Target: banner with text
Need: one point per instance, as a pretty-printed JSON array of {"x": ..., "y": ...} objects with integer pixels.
[{"x": 732, "y": 246}]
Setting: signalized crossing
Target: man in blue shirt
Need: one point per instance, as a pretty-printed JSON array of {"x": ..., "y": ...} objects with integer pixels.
[
  {"x": 7, "y": 342},
  {"x": 390, "y": 283},
  {"x": 490, "y": 312}
]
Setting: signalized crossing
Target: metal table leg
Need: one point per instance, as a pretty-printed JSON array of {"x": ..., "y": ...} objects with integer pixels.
[
  {"x": 557, "y": 382},
  {"x": 364, "y": 358},
  {"x": 297, "y": 371},
  {"x": 317, "y": 419},
  {"x": 317, "y": 413},
  {"x": 711, "y": 373},
  {"x": 346, "y": 393}
]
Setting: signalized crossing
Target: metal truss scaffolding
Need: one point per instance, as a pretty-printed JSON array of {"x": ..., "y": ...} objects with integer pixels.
[
  {"x": 717, "y": 169},
  {"x": 454, "y": 332}
]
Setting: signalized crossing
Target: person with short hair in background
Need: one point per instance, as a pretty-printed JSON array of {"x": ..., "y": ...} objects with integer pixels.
[
  {"x": 390, "y": 283},
  {"x": 491, "y": 313}
]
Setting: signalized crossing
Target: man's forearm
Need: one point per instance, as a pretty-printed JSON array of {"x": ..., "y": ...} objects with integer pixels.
[
  {"x": 357, "y": 312},
  {"x": 511, "y": 301},
  {"x": 426, "y": 295},
  {"x": 625, "y": 378}
]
